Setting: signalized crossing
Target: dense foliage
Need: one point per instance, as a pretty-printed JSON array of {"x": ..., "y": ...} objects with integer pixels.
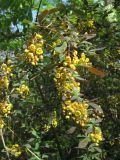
[{"x": 59, "y": 80}]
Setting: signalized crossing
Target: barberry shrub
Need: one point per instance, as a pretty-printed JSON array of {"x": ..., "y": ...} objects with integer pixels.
[{"x": 53, "y": 97}]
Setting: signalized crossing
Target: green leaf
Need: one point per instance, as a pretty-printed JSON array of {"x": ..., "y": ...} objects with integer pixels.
[
  {"x": 97, "y": 107},
  {"x": 45, "y": 156},
  {"x": 61, "y": 57},
  {"x": 27, "y": 146},
  {"x": 62, "y": 48},
  {"x": 83, "y": 144},
  {"x": 71, "y": 130},
  {"x": 34, "y": 133}
]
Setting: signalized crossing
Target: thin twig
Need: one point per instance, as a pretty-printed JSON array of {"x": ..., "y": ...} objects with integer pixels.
[
  {"x": 58, "y": 144},
  {"x": 38, "y": 10},
  {"x": 4, "y": 145},
  {"x": 33, "y": 154},
  {"x": 25, "y": 146}
]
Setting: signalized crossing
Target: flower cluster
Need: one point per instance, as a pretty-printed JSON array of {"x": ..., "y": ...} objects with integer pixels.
[
  {"x": 97, "y": 113},
  {"x": 34, "y": 51},
  {"x": 7, "y": 68},
  {"x": 96, "y": 135},
  {"x": 55, "y": 43},
  {"x": 46, "y": 127},
  {"x": 66, "y": 84},
  {"x": 5, "y": 108},
  {"x": 83, "y": 59},
  {"x": 54, "y": 120},
  {"x": 4, "y": 83},
  {"x": 65, "y": 81},
  {"x": 90, "y": 24},
  {"x": 77, "y": 111},
  {"x": 23, "y": 90},
  {"x": 16, "y": 150},
  {"x": 1, "y": 123}
]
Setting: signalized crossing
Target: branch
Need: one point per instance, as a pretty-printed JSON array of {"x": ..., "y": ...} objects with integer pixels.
[
  {"x": 33, "y": 154},
  {"x": 40, "y": 92},
  {"x": 38, "y": 10},
  {"x": 25, "y": 146},
  {"x": 4, "y": 145},
  {"x": 58, "y": 144}
]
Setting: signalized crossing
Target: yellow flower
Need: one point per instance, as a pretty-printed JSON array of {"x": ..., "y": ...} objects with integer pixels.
[
  {"x": 32, "y": 47},
  {"x": 72, "y": 67},
  {"x": 65, "y": 64},
  {"x": 23, "y": 90},
  {"x": 54, "y": 122},
  {"x": 46, "y": 128},
  {"x": 38, "y": 36},
  {"x": 39, "y": 51},
  {"x": 96, "y": 135},
  {"x": 68, "y": 59},
  {"x": 75, "y": 53},
  {"x": 1, "y": 123},
  {"x": 16, "y": 150},
  {"x": 30, "y": 55},
  {"x": 36, "y": 59},
  {"x": 41, "y": 57},
  {"x": 5, "y": 108},
  {"x": 67, "y": 117},
  {"x": 83, "y": 59},
  {"x": 39, "y": 44},
  {"x": 5, "y": 68},
  {"x": 87, "y": 60},
  {"x": 90, "y": 23},
  {"x": 83, "y": 56},
  {"x": 9, "y": 61},
  {"x": 58, "y": 41},
  {"x": 5, "y": 82},
  {"x": 57, "y": 75},
  {"x": 33, "y": 63},
  {"x": 26, "y": 50}
]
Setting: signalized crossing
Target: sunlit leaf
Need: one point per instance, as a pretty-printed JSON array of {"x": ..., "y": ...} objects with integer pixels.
[{"x": 96, "y": 72}]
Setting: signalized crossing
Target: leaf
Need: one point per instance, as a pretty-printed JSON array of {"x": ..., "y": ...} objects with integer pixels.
[
  {"x": 45, "y": 156},
  {"x": 75, "y": 92},
  {"x": 37, "y": 145},
  {"x": 31, "y": 140},
  {"x": 89, "y": 36},
  {"x": 71, "y": 130},
  {"x": 97, "y": 49},
  {"x": 27, "y": 146},
  {"x": 83, "y": 143},
  {"x": 61, "y": 57},
  {"x": 89, "y": 130},
  {"x": 48, "y": 67},
  {"x": 62, "y": 48},
  {"x": 34, "y": 133},
  {"x": 86, "y": 43},
  {"x": 80, "y": 136},
  {"x": 97, "y": 107},
  {"x": 96, "y": 72},
  {"x": 14, "y": 95},
  {"x": 46, "y": 13},
  {"x": 77, "y": 76}
]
